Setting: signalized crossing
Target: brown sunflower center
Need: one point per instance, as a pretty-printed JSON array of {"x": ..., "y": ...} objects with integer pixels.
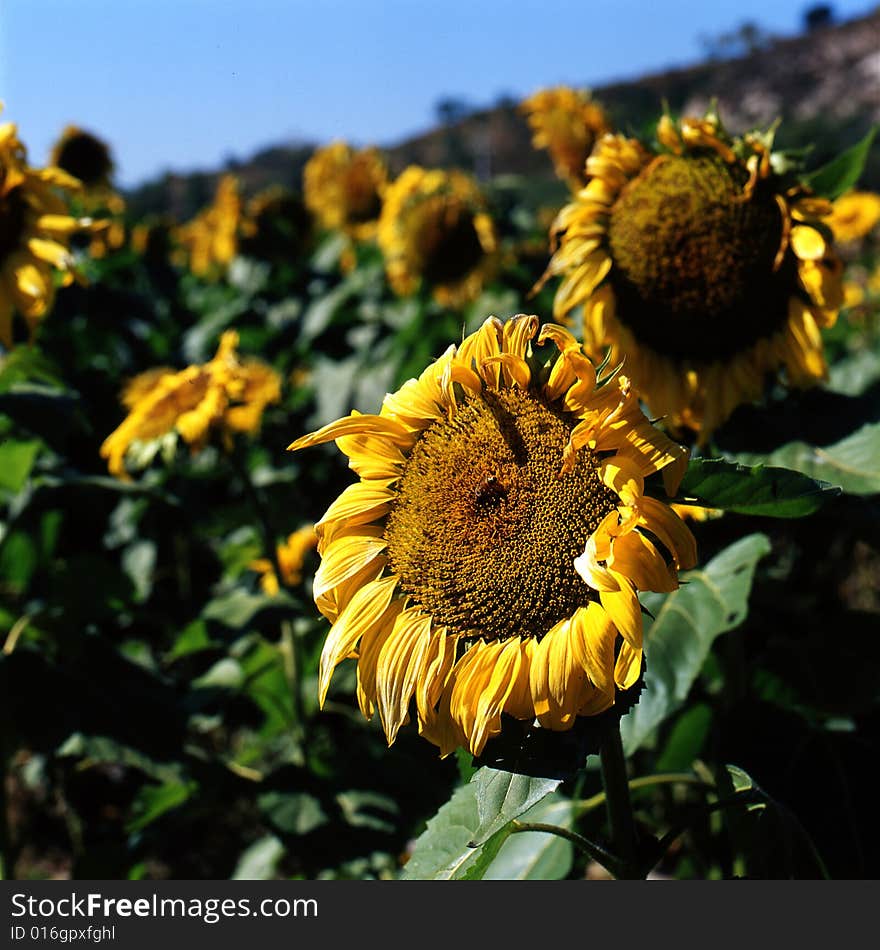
[
  {"x": 85, "y": 157},
  {"x": 693, "y": 259},
  {"x": 484, "y": 532},
  {"x": 450, "y": 244},
  {"x": 13, "y": 208},
  {"x": 363, "y": 198}
]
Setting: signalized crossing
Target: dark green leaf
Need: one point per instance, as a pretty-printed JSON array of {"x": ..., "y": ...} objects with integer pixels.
[
  {"x": 293, "y": 813},
  {"x": 852, "y": 464},
  {"x": 686, "y": 739},
  {"x": 153, "y": 801},
  {"x": 687, "y": 621},
  {"x": 753, "y": 490},
  {"x": 841, "y": 173}
]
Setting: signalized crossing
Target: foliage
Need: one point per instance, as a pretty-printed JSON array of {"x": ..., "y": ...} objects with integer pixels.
[{"x": 161, "y": 711}]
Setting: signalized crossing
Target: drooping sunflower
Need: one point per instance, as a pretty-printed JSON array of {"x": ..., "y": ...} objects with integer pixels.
[
  {"x": 568, "y": 123},
  {"x": 210, "y": 239},
  {"x": 435, "y": 230},
  {"x": 344, "y": 188},
  {"x": 83, "y": 155},
  {"x": 488, "y": 560},
  {"x": 35, "y": 230},
  {"x": 225, "y": 395},
  {"x": 854, "y": 215},
  {"x": 701, "y": 266}
]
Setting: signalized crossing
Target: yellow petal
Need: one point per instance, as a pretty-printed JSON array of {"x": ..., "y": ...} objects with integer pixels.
[{"x": 363, "y": 611}]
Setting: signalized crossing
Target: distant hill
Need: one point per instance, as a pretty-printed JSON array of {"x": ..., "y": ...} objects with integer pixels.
[{"x": 823, "y": 84}]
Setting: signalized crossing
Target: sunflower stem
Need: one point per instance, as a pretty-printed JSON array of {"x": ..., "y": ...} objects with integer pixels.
[
  {"x": 622, "y": 826},
  {"x": 289, "y": 647}
]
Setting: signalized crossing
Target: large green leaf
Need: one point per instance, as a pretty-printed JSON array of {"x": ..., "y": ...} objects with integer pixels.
[
  {"x": 536, "y": 855},
  {"x": 687, "y": 621},
  {"x": 754, "y": 490},
  {"x": 852, "y": 464},
  {"x": 842, "y": 173},
  {"x": 461, "y": 840},
  {"x": 503, "y": 796}
]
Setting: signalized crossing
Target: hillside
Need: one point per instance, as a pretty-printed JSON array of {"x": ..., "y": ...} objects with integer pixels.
[{"x": 824, "y": 85}]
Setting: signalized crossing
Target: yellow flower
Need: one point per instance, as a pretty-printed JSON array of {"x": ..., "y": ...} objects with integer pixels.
[
  {"x": 344, "y": 188},
  {"x": 488, "y": 560},
  {"x": 700, "y": 267},
  {"x": 35, "y": 230},
  {"x": 276, "y": 226},
  {"x": 210, "y": 239},
  {"x": 854, "y": 215},
  {"x": 435, "y": 230},
  {"x": 567, "y": 122},
  {"x": 226, "y": 394},
  {"x": 291, "y": 558}
]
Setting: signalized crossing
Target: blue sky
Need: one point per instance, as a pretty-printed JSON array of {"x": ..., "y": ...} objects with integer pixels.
[{"x": 182, "y": 84}]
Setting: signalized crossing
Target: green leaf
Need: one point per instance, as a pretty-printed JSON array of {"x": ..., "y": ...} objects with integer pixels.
[
  {"x": 713, "y": 601},
  {"x": 686, "y": 740},
  {"x": 442, "y": 851},
  {"x": 852, "y": 464},
  {"x": 16, "y": 461},
  {"x": 466, "y": 833},
  {"x": 153, "y": 801},
  {"x": 855, "y": 374},
  {"x": 293, "y": 813},
  {"x": 753, "y": 490},
  {"x": 260, "y": 861},
  {"x": 238, "y": 608},
  {"x": 842, "y": 173},
  {"x": 503, "y": 796},
  {"x": 91, "y": 750},
  {"x": 537, "y": 855}
]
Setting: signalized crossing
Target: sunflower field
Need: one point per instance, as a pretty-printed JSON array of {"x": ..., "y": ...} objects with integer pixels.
[{"x": 413, "y": 525}]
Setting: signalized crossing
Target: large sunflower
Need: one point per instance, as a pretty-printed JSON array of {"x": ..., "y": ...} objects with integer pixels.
[
  {"x": 567, "y": 122},
  {"x": 701, "y": 266},
  {"x": 435, "y": 230},
  {"x": 344, "y": 187},
  {"x": 488, "y": 560},
  {"x": 35, "y": 229}
]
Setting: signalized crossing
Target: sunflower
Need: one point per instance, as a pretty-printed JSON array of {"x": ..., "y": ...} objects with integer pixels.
[
  {"x": 567, "y": 122},
  {"x": 344, "y": 188},
  {"x": 854, "y": 215},
  {"x": 276, "y": 226},
  {"x": 488, "y": 560},
  {"x": 83, "y": 155},
  {"x": 210, "y": 239},
  {"x": 226, "y": 394},
  {"x": 88, "y": 158},
  {"x": 291, "y": 560},
  {"x": 701, "y": 266},
  {"x": 435, "y": 231},
  {"x": 35, "y": 230}
]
